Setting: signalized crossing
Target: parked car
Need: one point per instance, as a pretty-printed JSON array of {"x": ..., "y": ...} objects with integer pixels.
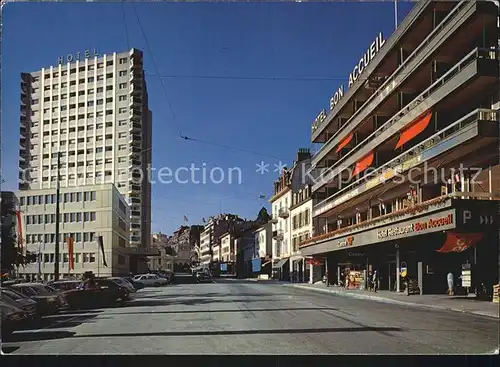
[
  {"x": 137, "y": 285},
  {"x": 49, "y": 301},
  {"x": 150, "y": 280},
  {"x": 65, "y": 285},
  {"x": 125, "y": 284},
  {"x": 13, "y": 317},
  {"x": 105, "y": 293},
  {"x": 19, "y": 300}
]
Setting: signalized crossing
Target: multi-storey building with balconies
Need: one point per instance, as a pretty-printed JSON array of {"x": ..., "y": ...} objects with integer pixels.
[
  {"x": 92, "y": 112},
  {"x": 289, "y": 182},
  {"x": 398, "y": 192}
]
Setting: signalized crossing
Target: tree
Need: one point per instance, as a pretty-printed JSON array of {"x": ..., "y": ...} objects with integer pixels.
[
  {"x": 12, "y": 254},
  {"x": 263, "y": 216}
]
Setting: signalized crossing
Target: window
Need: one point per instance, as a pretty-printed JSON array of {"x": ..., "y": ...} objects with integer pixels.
[
  {"x": 122, "y": 86},
  {"x": 123, "y": 73},
  {"x": 123, "y": 110},
  {"x": 92, "y": 258},
  {"x": 123, "y": 60},
  {"x": 122, "y": 98}
]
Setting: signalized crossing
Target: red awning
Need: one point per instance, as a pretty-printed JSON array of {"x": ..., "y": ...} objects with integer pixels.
[
  {"x": 459, "y": 242},
  {"x": 363, "y": 163},
  {"x": 413, "y": 129},
  {"x": 344, "y": 142}
]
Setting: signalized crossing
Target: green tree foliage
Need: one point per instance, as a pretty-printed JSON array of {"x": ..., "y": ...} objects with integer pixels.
[{"x": 12, "y": 255}]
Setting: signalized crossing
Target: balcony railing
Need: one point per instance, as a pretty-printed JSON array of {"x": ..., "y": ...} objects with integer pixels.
[
  {"x": 401, "y": 70},
  {"x": 284, "y": 213},
  {"x": 278, "y": 235},
  {"x": 396, "y": 164},
  {"x": 478, "y": 53}
]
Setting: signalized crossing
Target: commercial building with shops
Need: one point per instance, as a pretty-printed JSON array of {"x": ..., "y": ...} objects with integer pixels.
[
  {"x": 410, "y": 154},
  {"x": 86, "y": 213},
  {"x": 302, "y": 228},
  {"x": 263, "y": 249},
  {"x": 286, "y": 258}
]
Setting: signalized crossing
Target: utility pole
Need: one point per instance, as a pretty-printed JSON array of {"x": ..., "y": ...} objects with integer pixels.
[{"x": 56, "y": 264}]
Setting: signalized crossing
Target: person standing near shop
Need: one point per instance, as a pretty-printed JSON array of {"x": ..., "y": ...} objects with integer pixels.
[{"x": 450, "y": 279}]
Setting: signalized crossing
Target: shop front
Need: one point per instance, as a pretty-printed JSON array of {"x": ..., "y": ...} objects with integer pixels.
[
  {"x": 418, "y": 247},
  {"x": 281, "y": 269}
]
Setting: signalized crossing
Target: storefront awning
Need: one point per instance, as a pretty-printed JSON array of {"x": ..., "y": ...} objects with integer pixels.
[
  {"x": 459, "y": 242},
  {"x": 344, "y": 142},
  {"x": 280, "y": 263},
  {"x": 413, "y": 129},
  {"x": 363, "y": 164}
]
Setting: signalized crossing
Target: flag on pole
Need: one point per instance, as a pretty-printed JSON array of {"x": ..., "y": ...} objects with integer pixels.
[
  {"x": 19, "y": 230},
  {"x": 186, "y": 219},
  {"x": 70, "y": 241},
  {"x": 100, "y": 243}
]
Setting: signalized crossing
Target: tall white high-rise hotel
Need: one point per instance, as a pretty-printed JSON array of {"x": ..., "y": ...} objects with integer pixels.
[{"x": 93, "y": 111}]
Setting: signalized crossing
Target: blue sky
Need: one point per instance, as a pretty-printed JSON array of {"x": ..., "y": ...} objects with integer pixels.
[{"x": 283, "y": 40}]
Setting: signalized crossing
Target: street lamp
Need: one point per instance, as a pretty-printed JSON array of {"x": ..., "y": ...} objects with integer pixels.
[{"x": 56, "y": 265}]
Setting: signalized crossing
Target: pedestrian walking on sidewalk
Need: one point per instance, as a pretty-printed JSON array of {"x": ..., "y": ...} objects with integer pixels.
[
  {"x": 450, "y": 284},
  {"x": 375, "y": 281}
]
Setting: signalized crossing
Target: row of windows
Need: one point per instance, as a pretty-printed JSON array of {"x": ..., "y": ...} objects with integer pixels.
[
  {"x": 69, "y": 197},
  {"x": 302, "y": 219},
  {"x": 64, "y": 218},
  {"x": 85, "y": 257},
  {"x": 91, "y": 66},
  {"x": 89, "y": 114},
  {"x": 81, "y": 119},
  {"x": 64, "y": 97},
  {"x": 51, "y": 237},
  {"x": 90, "y": 79}
]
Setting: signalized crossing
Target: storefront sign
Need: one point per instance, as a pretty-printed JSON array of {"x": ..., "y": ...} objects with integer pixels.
[
  {"x": 347, "y": 242},
  {"x": 441, "y": 221},
  {"x": 419, "y": 226},
  {"x": 356, "y": 254},
  {"x": 76, "y": 57}
]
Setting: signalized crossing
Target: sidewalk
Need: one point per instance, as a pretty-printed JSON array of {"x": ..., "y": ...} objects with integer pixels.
[{"x": 442, "y": 302}]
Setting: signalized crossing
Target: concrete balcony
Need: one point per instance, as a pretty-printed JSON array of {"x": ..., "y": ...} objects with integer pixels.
[
  {"x": 284, "y": 213},
  {"x": 278, "y": 235}
]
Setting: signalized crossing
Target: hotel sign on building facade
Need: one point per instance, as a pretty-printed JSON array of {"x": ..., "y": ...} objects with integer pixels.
[
  {"x": 358, "y": 69},
  {"x": 79, "y": 56}
]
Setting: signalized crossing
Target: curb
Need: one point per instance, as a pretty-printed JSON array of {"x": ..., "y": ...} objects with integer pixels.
[{"x": 387, "y": 300}]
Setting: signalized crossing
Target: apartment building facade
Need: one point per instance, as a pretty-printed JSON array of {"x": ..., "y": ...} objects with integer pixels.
[
  {"x": 401, "y": 148},
  {"x": 85, "y": 213},
  {"x": 289, "y": 182},
  {"x": 302, "y": 230},
  {"x": 92, "y": 112}
]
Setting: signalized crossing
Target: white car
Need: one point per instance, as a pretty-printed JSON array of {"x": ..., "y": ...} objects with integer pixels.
[{"x": 150, "y": 280}]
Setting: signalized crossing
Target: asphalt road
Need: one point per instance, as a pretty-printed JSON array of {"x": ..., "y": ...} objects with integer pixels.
[{"x": 238, "y": 317}]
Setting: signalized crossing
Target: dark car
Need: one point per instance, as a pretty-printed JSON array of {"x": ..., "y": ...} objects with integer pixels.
[
  {"x": 137, "y": 285},
  {"x": 13, "y": 317},
  {"x": 17, "y": 299},
  {"x": 104, "y": 292},
  {"x": 49, "y": 300}
]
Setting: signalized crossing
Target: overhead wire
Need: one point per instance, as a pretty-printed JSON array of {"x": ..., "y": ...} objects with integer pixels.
[
  {"x": 124, "y": 17},
  {"x": 174, "y": 117},
  {"x": 156, "y": 70}
]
